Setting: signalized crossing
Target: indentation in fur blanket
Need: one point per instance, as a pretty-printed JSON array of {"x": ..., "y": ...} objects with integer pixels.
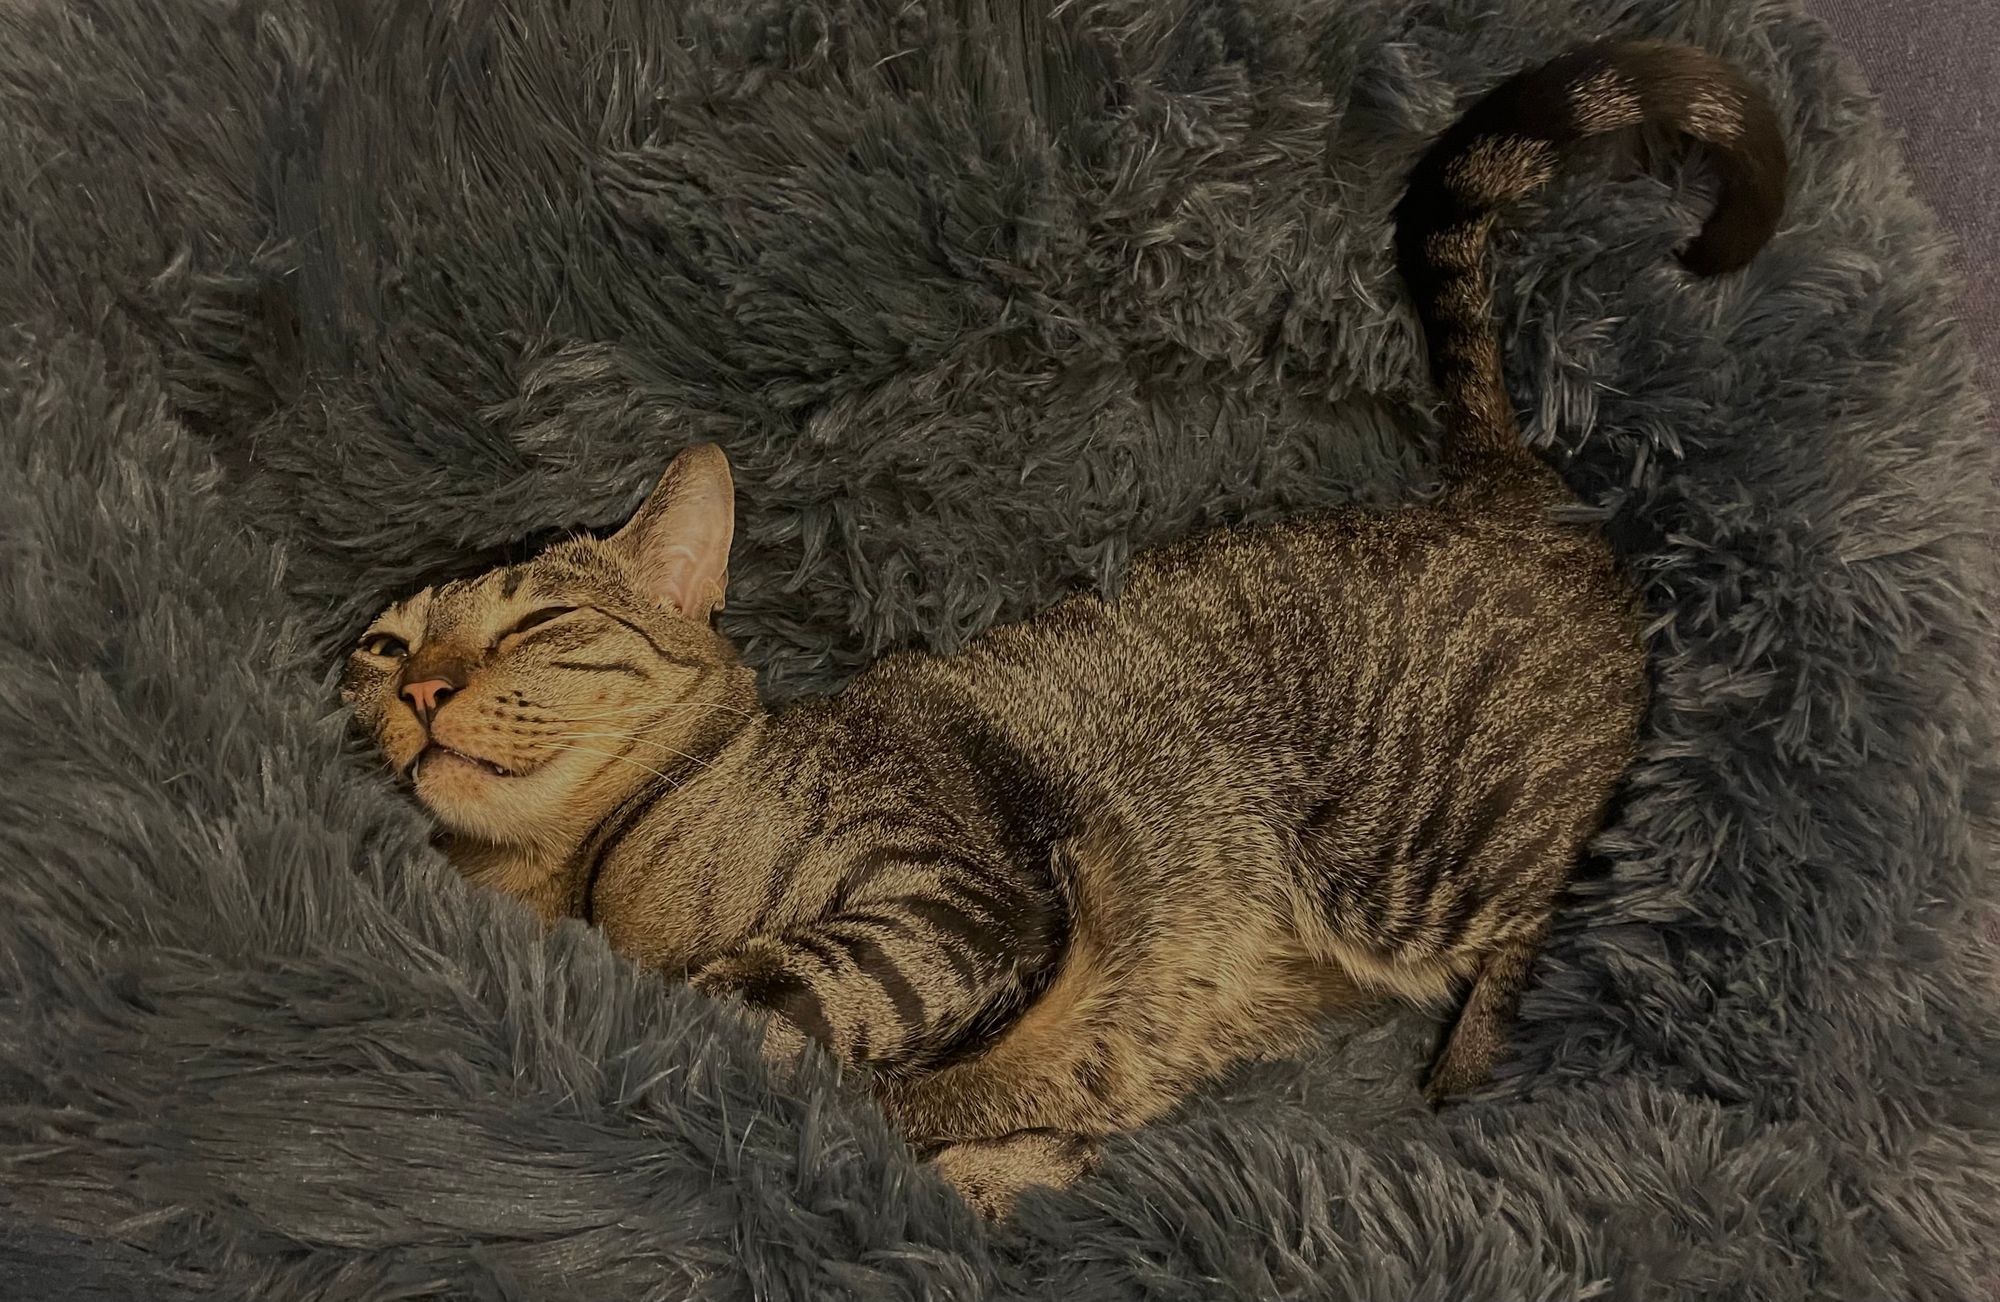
[{"x": 310, "y": 302}]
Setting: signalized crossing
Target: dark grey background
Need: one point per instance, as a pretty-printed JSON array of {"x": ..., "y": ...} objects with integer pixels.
[{"x": 1936, "y": 65}]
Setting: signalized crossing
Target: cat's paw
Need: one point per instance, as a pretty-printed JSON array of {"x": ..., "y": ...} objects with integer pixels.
[
  {"x": 740, "y": 976},
  {"x": 783, "y": 1044},
  {"x": 991, "y": 1174}
]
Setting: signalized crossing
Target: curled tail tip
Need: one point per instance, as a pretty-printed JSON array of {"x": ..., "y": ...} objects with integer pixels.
[
  {"x": 1509, "y": 144},
  {"x": 1710, "y": 100},
  {"x": 1753, "y": 169},
  {"x": 1506, "y": 145}
]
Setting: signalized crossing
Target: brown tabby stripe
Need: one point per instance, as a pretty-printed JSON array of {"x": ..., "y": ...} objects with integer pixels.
[
  {"x": 600, "y": 667},
  {"x": 664, "y": 655},
  {"x": 610, "y": 834},
  {"x": 876, "y": 984}
]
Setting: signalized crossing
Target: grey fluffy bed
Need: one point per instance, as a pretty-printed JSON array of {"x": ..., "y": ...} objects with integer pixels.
[{"x": 304, "y": 304}]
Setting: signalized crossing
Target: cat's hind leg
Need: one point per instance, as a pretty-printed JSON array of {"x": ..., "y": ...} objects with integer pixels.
[{"x": 1478, "y": 1039}]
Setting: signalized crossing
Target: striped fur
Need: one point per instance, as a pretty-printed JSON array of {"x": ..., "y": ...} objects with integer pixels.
[{"x": 1041, "y": 888}]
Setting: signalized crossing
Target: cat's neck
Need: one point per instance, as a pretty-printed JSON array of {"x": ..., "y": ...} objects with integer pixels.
[
  {"x": 554, "y": 878},
  {"x": 531, "y": 874}
]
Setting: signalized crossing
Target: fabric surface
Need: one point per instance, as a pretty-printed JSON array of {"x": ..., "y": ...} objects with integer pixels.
[
  {"x": 1936, "y": 65},
  {"x": 309, "y": 303}
]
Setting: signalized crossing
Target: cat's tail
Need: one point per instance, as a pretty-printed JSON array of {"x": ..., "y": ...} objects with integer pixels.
[{"x": 1506, "y": 147}]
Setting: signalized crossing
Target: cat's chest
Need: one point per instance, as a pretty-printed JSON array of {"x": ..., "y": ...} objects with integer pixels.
[{"x": 682, "y": 886}]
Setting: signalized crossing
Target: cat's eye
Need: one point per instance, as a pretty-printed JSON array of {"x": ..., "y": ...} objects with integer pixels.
[
  {"x": 537, "y": 618},
  {"x": 386, "y": 645}
]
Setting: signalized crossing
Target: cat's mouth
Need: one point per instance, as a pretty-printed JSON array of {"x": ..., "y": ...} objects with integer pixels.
[{"x": 437, "y": 753}]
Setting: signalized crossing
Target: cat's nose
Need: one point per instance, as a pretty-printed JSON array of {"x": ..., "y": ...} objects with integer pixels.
[{"x": 428, "y": 696}]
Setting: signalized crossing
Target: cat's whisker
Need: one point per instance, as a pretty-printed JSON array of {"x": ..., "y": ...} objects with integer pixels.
[
  {"x": 642, "y": 707},
  {"x": 712, "y": 705},
  {"x": 614, "y": 755},
  {"x": 654, "y": 707},
  {"x": 641, "y": 741}
]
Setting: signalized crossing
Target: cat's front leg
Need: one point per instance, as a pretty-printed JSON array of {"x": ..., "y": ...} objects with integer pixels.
[
  {"x": 761, "y": 974},
  {"x": 898, "y": 973},
  {"x": 991, "y": 1174}
]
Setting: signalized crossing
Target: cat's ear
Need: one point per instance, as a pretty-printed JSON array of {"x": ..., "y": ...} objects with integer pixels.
[{"x": 678, "y": 542}]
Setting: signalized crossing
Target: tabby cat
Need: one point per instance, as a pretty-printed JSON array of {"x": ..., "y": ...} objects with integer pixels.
[{"x": 1039, "y": 889}]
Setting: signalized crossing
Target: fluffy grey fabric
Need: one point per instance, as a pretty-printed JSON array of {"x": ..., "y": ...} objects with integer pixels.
[{"x": 310, "y": 302}]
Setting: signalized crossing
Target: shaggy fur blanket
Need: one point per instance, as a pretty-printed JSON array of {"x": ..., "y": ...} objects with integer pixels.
[{"x": 306, "y": 302}]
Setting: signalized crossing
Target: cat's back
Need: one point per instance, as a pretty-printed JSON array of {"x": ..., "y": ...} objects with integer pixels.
[
  {"x": 1235, "y": 616},
  {"x": 1263, "y": 658}
]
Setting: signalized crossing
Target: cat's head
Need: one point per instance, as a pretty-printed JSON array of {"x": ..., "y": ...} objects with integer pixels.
[{"x": 525, "y": 704}]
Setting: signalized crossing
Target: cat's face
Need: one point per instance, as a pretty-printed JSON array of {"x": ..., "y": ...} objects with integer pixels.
[{"x": 525, "y": 704}]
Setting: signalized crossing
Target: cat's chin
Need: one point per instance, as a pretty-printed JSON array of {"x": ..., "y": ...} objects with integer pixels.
[
  {"x": 473, "y": 798},
  {"x": 468, "y": 794}
]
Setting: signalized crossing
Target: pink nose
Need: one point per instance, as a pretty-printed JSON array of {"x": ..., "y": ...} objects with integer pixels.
[{"x": 428, "y": 696}]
